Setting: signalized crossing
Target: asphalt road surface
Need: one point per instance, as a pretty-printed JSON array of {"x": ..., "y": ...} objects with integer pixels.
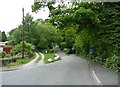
[{"x": 71, "y": 70}]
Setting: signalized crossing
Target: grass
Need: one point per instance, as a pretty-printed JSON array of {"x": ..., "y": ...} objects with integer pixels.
[
  {"x": 40, "y": 57},
  {"x": 20, "y": 62},
  {"x": 50, "y": 56}
]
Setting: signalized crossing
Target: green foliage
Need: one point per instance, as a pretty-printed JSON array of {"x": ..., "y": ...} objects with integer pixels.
[
  {"x": 39, "y": 33},
  {"x": 5, "y": 55},
  {"x": 21, "y": 61},
  {"x": 27, "y": 48},
  {"x": 2, "y": 54},
  {"x": 113, "y": 63},
  {"x": 45, "y": 36},
  {"x": 36, "y": 6},
  {"x": 51, "y": 50},
  {"x": 25, "y": 60},
  {"x": 50, "y": 56},
  {"x": 79, "y": 26},
  {"x": 97, "y": 27},
  {"x": 4, "y": 37},
  {"x": 85, "y": 17},
  {"x": 15, "y": 36},
  {"x": 78, "y": 44},
  {"x": 84, "y": 41},
  {"x": 67, "y": 51},
  {"x": 70, "y": 35},
  {"x": 63, "y": 45}
]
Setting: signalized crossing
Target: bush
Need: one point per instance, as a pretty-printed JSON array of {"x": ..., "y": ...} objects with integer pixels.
[
  {"x": 27, "y": 49},
  {"x": 113, "y": 63},
  {"x": 51, "y": 50},
  {"x": 7, "y": 55},
  {"x": 67, "y": 51},
  {"x": 2, "y": 54},
  {"x": 62, "y": 45}
]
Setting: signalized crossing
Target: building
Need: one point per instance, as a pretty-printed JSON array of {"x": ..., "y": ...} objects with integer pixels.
[
  {"x": 5, "y": 47},
  {"x": 1, "y": 45}
]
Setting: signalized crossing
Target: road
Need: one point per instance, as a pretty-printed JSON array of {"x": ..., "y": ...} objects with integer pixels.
[{"x": 71, "y": 70}]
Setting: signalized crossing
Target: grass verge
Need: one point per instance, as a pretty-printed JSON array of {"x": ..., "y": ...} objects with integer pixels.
[
  {"x": 20, "y": 62},
  {"x": 40, "y": 57},
  {"x": 50, "y": 56}
]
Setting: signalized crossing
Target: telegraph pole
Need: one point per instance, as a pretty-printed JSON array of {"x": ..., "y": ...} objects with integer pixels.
[{"x": 23, "y": 34}]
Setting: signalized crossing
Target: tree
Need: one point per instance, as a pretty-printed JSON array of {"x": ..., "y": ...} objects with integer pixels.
[
  {"x": 69, "y": 34},
  {"x": 27, "y": 48},
  {"x": 4, "y": 37},
  {"x": 45, "y": 36},
  {"x": 96, "y": 25},
  {"x": 15, "y": 36}
]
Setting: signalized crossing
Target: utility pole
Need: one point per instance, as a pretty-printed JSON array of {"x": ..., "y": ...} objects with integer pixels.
[{"x": 23, "y": 34}]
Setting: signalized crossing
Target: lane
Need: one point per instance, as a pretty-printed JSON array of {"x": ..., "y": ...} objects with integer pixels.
[{"x": 71, "y": 70}]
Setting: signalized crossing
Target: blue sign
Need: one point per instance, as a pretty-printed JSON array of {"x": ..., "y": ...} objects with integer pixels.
[{"x": 91, "y": 51}]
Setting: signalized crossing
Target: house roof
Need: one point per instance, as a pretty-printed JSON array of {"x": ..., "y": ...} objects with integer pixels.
[{"x": 3, "y": 43}]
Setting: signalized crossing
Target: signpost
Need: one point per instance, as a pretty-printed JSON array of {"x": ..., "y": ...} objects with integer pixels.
[{"x": 91, "y": 52}]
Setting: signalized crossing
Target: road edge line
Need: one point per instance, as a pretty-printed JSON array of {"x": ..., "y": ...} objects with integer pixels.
[{"x": 94, "y": 75}]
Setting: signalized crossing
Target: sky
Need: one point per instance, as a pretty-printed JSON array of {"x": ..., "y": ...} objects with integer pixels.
[{"x": 11, "y": 13}]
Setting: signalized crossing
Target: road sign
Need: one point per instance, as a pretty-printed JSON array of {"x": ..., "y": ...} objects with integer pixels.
[{"x": 91, "y": 51}]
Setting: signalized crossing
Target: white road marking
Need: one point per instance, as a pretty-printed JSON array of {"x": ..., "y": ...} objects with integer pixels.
[
  {"x": 95, "y": 76},
  {"x": 99, "y": 83}
]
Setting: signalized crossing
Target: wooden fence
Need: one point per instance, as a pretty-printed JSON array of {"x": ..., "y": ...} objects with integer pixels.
[{"x": 5, "y": 61}]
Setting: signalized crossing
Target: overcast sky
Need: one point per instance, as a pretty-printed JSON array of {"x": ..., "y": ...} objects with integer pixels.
[{"x": 11, "y": 13}]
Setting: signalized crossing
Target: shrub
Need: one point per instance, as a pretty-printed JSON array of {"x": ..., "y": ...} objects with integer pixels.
[
  {"x": 62, "y": 45},
  {"x": 7, "y": 55},
  {"x": 52, "y": 50},
  {"x": 27, "y": 48},
  {"x": 2, "y": 54},
  {"x": 67, "y": 51},
  {"x": 113, "y": 63}
]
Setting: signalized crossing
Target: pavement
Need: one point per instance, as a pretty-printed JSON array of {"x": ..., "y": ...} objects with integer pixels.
[{"x": 71, "y": 70}]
